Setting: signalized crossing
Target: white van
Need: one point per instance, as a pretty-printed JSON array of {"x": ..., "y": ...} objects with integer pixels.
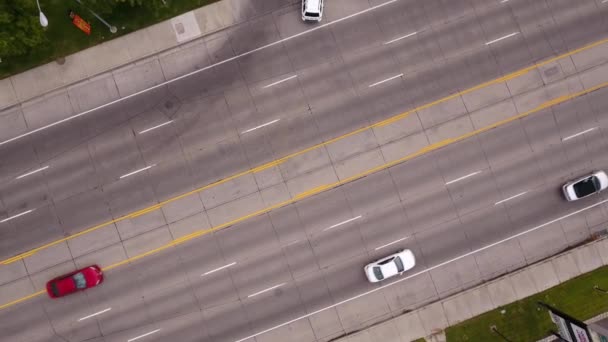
[{"x": 312, "y": 10}]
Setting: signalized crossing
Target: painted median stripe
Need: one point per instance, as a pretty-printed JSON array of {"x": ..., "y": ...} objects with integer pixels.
[{"x": 295, "y": 154}]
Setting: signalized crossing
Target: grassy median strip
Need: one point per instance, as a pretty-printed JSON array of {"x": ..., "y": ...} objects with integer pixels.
[
  {"x": 524, "y": 320},
  {"x": 63, "y": 38}
]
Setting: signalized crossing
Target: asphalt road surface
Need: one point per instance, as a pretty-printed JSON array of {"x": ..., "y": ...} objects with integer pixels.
[{"x": 309, "y": 255}]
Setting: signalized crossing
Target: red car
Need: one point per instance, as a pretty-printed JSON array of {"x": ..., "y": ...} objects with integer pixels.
[{"x": 76, "y": 281}]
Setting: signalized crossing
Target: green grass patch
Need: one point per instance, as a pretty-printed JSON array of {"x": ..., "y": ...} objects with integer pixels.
[
  {"x": 64, "y": 38},
  {"x": 525, "y": 321}
]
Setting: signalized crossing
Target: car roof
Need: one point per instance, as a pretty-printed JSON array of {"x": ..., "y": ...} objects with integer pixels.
[
  {"x": 314, "y": 4},
  {"x": 65, "y": 285}
]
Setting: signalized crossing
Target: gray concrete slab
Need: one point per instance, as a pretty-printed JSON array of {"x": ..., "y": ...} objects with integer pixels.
[
  {"x": 523, "y": 283},
  {"x": 104, "y": 56},
  {"x": 358, "y": 164},
  {"x": 45, "y": 258},
  {"x": 505, "y": 258},
  {"x": 433, "y": 318},
  {"x": 306, "y": 162},
  {"x": 17, "y": 289},
  {"x": 103, "y": 257},
  {"x": 403, "y": 147},
  {"x": 149, "y": 74},
  {"x": 493, "y": 113},
  {"x": 13, "y": 122},
  {"x": 96, "y": 240},
  {"x": 147, "y": 241},
  {"x": 275, "y": 194},
  {"x": 501, "y": 292},
  {"x": 409, "y": 326},
  {"x": 587, "y": 258},
  {"x": 450, "y": 129},
  {"x": 233, "y": 210},
  {"x": 184, "y": 207},
  {"x": 547, "y": 241},
  {"x": 269, "y": 177},
  {"x": 457, "y": 309},
  {"x": 352, "y": 145},
  {"x": 143, "y": 223},
  {"x": 255, "y": 237},
  {"x": 442, "y": 112},
  {"x": 460, "y": 274},
  {"x": 189, "y": 224},
  {"x": 544, "y": 276},
  {"x": 13, "y": 271},
  {"x": 228, "y": 191},
  {"x": 303, "y": 183}
]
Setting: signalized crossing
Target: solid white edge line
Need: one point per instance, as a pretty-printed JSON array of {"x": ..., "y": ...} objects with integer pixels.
[
  {"x": 155, "y": 127},
  {"x": 392, "y": 243},
  {"x": 386, "y": 80},
  {"x": 218, "y": 269},
  {"x": 501, "y": 38},
  {"x": 266, "y": 290},
  {"x": 279, "y": 82},
  {"x": 137, "y": 171},
  {"x": 95, "y": 314},
  {"x": 15, "y": 216},
  {"x": 197, "y": 71},
  {"x": 402, "y": 37},
  {"x": 32, "y": 172},
  {"x": 343, "y": 222},
  {"x": 510, "y": 198},
  {"x": 144, "y": 335},
  {"x": 423, "y": 271},
  {"x": 463, "y": 177},
  {"x": 260, "y": 126},
  {"x": 579, "y": 133}
]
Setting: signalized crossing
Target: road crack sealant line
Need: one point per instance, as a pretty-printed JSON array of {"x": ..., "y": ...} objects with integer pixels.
[
  {"x": 326, "y": 187},
  {"x": 290, "y": 156}
]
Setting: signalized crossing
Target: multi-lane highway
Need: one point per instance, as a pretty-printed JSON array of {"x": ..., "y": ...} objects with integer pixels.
[{"x": 461, "y": 188}]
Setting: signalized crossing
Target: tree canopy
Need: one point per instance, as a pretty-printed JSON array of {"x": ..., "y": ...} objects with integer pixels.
[{"x": 20, "y": 28}]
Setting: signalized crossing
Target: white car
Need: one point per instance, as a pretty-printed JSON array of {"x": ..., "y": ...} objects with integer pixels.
[
  {"x": 390, "y": 266},
  {"x": 585, "y": 186},
  {"x": 312, "y": 10}
]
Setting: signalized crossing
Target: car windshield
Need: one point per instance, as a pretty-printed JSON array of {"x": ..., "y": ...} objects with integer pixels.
[
  {"x": 586, "y": 187},
  {"x": 399, "y": 263},
  {"x": 311, "y": 14},
  {"x": 378, "y": 273},
  {"x": 81, "y": 283}
]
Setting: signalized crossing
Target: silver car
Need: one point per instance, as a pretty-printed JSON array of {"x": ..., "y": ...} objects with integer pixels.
[
  {"x": 390, "y": 266},
  {"x": 585, "y": 186}
]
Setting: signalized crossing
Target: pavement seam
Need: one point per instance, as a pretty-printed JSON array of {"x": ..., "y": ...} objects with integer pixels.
[
  {"x": 547, "y": 104},
  {"x": 283, "y": 159}
]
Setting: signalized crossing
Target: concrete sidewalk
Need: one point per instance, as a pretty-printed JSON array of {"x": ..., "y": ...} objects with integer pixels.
[
  {"x": 164, "y": 37},
  {"x": 431, "y": 320}
]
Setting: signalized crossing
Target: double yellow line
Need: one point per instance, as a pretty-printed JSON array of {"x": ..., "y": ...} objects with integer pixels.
[
  {"x": 322, "y": 188},
  {"x": 291, "y": 156}
]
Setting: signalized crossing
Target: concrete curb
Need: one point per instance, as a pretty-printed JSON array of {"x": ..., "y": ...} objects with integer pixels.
[
  {"x": 165, "y": 37},
  {"x": 431, "y": 320}
]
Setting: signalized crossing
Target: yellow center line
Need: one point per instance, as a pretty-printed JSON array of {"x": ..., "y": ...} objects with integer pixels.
[
  {"x": 17, "y": 301},
  {"x": 326, "y": 187},
  {"x": 314, "y": 147}
]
